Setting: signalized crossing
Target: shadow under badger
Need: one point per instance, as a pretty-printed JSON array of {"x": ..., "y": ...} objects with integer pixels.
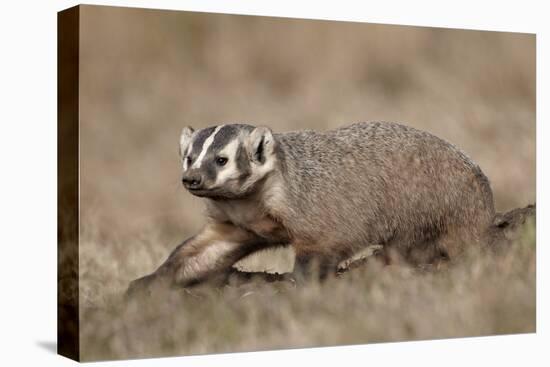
[{"x": 329, "y": 195}]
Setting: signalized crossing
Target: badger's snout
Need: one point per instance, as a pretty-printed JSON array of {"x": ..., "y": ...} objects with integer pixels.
[{"x": 192, "y": 181}]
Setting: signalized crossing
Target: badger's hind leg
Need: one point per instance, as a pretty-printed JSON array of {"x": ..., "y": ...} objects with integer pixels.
[
  {"x": 321, "y": 260},
  {"x": 418, "y": 251},
  {"x": 443, "y": 249},
  {"x": 310, "y": 265}
]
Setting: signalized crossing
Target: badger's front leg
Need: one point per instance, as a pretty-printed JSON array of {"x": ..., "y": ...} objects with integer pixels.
[{"x": 211, "y": 252}]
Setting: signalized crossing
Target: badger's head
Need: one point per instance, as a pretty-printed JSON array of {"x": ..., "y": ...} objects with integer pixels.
[{"x": 226, "y": 161}]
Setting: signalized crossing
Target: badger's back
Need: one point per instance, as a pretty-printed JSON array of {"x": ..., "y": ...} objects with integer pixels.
[{"x": 376, "y": 183}]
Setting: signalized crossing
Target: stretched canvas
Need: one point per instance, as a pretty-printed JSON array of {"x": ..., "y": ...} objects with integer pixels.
[{"x": 232, "y": 183}]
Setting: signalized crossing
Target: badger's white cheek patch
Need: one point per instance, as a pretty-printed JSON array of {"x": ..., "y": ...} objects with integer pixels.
[{"x": 230, "y": 170}]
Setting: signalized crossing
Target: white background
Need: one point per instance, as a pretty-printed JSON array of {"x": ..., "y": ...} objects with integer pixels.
[{"x": 28, "y": 181}]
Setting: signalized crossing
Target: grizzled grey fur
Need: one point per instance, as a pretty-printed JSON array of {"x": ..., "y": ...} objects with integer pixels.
[
  {"x": 383, "y": 183},
  {"x": 329, "y": 195}
]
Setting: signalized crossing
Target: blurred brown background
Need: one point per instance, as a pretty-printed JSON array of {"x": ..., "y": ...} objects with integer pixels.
[{"x": 144, "y": 74}]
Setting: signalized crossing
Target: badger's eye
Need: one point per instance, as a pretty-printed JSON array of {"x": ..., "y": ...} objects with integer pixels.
[
  {"x": 221, "y": 161},
  {"x": 189, "y": 160}
]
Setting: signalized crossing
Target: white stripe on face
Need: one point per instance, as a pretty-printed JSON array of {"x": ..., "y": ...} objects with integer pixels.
[
  {"x": 230, "y": 169},
  {"x": 185, "y": 165},
  {"x": 207, "y": 143}
]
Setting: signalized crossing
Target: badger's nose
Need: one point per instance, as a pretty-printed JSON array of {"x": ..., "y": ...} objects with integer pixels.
[{"x": 192, "y": 181}]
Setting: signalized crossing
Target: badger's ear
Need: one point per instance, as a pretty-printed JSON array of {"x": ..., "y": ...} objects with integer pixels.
[
  {"x": 185, "y": 139},
  {"x": 260, "y": 144}
]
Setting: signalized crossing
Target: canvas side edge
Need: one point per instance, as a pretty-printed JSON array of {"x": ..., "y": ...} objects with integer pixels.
[{"x": 68, "y": 328}]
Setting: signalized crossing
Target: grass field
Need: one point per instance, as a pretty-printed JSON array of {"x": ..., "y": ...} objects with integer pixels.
[
  {"x": 146, "y": 74},
  {"x": 480, "y": 295}
]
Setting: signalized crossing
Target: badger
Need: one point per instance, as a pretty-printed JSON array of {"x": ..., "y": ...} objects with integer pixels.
[{"x": 329, "y": 195}]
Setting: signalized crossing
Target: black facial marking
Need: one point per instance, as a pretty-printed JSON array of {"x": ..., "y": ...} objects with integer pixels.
[
  {"x": 228, "y": 133},
  {"x": 223, "y": 137},
  {"x": 198, "y": 141},
  {"x": 209, "y": 171},
  {"x": 259, "y": 154},
  {"x": 243, "y": 164}
]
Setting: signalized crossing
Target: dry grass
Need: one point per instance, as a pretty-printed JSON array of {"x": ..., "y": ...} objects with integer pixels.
[
  {"x": 145, "y": 74},
  {"x": 480, "y": 295}
]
